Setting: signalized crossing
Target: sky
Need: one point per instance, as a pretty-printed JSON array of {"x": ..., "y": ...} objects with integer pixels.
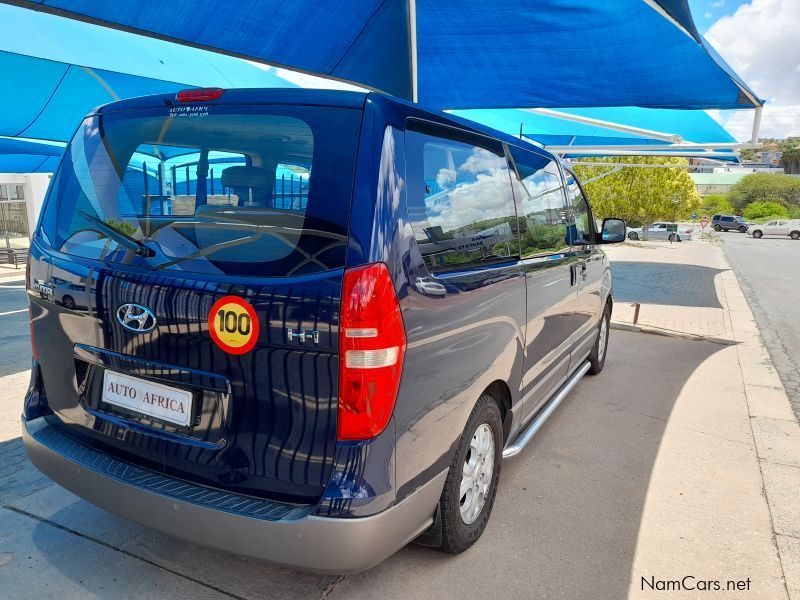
[{"x": 760, "y": 39}]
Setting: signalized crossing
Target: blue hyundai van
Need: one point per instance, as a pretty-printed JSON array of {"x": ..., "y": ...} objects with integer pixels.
[{"x": 312, "y": 323}]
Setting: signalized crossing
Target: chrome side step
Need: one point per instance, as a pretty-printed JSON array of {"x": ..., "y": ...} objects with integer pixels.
[{"x": 536, "y": 423}]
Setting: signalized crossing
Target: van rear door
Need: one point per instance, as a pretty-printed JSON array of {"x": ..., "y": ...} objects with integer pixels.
[{"x": 208, "y": 242}]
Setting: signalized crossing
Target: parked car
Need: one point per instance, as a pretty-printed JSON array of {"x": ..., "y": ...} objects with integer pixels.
[
  {"x": 260, "y": 376},
  {"x": 430, "y": 287},
  {"x": 778, "y": 227},
  {"x": 662, "y": 231},
  {"x": 728, "y": 223}
]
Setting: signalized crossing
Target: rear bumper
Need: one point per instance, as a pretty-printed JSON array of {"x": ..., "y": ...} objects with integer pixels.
[{"x": 326, "y": 545}]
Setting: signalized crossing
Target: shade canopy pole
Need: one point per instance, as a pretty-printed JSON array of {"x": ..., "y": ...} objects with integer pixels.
[
  {"x": 756, "y": 126},
  {"x": 412, "y": 32},
  {"x": 648, "y": 133}
]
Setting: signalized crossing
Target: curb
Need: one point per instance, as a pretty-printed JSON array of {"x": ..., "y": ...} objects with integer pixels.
[{"x": 624, "y": 326}]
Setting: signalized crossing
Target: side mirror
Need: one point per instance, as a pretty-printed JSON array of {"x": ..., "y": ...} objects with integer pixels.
[{"x": 613, "y": 231}]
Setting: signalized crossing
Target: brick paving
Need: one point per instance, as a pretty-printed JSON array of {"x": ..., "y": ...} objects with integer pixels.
[{"x": 678, "y": 286}]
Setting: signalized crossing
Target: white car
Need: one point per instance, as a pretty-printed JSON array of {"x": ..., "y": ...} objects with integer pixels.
[
  {"x": 430, "y": 287},
  {"x": 790, "y": 227},
  {"x": 661, "y": 230}
]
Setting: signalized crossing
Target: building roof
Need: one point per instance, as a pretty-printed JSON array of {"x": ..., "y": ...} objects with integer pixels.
[{"x": 717, "y": 178}]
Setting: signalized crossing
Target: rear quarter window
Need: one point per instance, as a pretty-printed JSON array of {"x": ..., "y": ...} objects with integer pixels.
[{"x": 460, "y": 200}]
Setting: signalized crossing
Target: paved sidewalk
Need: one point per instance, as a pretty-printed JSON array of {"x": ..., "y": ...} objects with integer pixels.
[
  {"x": 728, "y": 317},
  {"x": 676, "y": 285}
]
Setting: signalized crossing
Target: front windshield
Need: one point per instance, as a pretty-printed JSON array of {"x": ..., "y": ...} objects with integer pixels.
[{"x": 255, "y": 191}]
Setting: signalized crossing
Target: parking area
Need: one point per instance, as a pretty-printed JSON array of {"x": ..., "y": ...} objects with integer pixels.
[{"x": 648, "y": 470}]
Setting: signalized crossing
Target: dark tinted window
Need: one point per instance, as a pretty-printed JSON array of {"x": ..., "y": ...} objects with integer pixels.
[
  {"x": 237, "y": 190},
  {"x": 460, "y": 200},
  {"x": 580, "y": 230},
  {"x": 541, "y": 204}
]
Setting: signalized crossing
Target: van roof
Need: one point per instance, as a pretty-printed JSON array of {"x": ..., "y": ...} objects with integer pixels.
[{"x": 316, "y": 97}]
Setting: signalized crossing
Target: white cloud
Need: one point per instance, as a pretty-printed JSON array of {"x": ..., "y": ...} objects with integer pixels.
[
  {"x": 708, "y": 15},
  {"x": 761, "y": 41},
  {"x": 718, "y": 4}
]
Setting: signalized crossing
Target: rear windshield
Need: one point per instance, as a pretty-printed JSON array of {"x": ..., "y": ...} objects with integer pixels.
[{"x": 228, "y": 190}]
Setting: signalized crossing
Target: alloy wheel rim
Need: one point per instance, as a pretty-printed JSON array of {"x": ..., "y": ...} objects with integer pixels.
[
  {"x": 601, "y": 351},
  {"x": 476, "y": 474}
]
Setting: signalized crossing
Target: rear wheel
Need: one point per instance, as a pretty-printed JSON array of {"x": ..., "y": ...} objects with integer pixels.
[
  {"x": 633, "y": 235},
  {"x": 68, "y": 302},
  {"x": 717, "y": 228},
  {"x": 471, "y": 485},
  {"x": 597, "y": 358},
  {"x": 757, "y": 233},
  {"x": 795, "y": 235}
]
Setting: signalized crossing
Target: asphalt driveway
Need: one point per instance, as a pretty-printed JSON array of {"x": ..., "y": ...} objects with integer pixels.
[{"x": 640, "y": 472}]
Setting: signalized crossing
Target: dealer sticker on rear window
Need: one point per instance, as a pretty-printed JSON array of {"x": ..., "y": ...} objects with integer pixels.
[{"x": 233, "y": 325}]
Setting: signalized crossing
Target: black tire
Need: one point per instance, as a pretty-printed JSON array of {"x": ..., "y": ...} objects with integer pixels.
[
  {"x": 597, "y": 358},
  {"x": 68, "y": 302},
  {"x": 717, "y": 228},
  {"x": 742, "y": 229},
  {"x": 674, "y": 237},
  {"x": 633, "y": 236},
  {"x": 795, "y": 235},
  {"x": 757, "y": 233},
  {"x": 457, "y": 535}
]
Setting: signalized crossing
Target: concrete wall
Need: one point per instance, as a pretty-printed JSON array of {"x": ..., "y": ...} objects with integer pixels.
[{"x": 35, "y": 187}]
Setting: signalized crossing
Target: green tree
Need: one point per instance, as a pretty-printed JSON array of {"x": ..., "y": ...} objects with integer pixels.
[
  {"x": 640, "y": 195},
  {"x": 790, "y": 160},
  {"x": 765, "y": 187},
  {"x": 716, "y": 204},
  {"x": 762, "y": 210}
]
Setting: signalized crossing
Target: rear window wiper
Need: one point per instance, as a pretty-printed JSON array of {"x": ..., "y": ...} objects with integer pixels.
[{"x": 120, "y": 236}]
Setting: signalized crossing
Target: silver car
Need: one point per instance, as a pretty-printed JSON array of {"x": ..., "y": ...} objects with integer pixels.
[
  {"x": 661, "y": 230},
  {"x": 779, "y": 227}
]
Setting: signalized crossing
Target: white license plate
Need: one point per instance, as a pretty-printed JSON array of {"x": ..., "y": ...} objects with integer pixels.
[{"x": 148, "y": 398}]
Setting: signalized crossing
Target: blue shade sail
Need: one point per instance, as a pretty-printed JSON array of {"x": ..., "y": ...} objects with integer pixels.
[
  {"x": 56, "y": 70},
  {"x": 27, "y": 156},
  {"x": 691, "y": 125},
  {"x": 471, "y": 53}
]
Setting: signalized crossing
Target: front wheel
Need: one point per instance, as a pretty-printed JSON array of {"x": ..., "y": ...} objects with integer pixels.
[
  {"x": 471, "y": 485},
  {"x": 597, "y": 358},
  {"x": 795, "y": 235},
  {"x": 633, "y": 236},
  {"x": 757, "y": 234},
  {"x": 742, "y": 229}
]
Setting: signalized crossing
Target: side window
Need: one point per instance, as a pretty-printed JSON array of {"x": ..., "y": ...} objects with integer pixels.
[
  {"x": 770, "y": 223},
  {"x": 459, "y": 200},
  {"x": 580, "y": 230},
  {"x": 541, "y": 204}
]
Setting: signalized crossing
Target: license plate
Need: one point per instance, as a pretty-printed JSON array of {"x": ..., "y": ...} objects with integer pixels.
[{"x": 148, "y": 398}]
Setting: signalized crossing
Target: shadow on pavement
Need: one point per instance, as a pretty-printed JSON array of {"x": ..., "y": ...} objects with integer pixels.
[
  {"x": 670, "y": 284},
  {"x": 565, "y": 524},
  {"x": 566, "y": 521}
]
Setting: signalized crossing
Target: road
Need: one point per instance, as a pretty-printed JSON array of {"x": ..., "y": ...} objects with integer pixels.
[{"x": 769, "y": 273}]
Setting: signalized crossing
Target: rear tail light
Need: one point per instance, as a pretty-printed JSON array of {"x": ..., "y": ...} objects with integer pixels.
[
  {"x": 372, "y": 343},
  {"x": 199, "y": 94}
]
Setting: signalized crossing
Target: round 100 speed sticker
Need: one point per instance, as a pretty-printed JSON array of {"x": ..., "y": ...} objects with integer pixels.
[{"x": 233, "y": 325}]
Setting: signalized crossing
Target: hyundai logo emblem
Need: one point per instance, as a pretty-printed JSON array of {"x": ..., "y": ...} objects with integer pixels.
[{"x": 135, "y": 317}]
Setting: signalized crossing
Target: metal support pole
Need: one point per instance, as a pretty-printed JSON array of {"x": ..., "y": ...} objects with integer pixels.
[
  {"x": 412, "y": 32},
  {"x": 756, "y": 125}
]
